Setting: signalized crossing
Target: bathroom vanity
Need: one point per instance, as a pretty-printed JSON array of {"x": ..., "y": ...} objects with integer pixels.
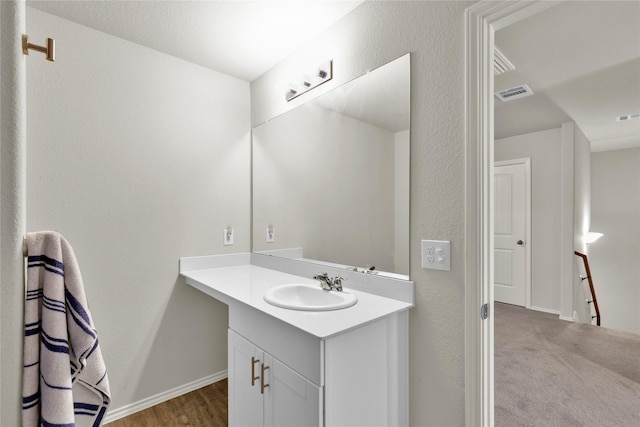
[
  {"x": 330, "y": 194},
  {"x": 296, "y": 367}
]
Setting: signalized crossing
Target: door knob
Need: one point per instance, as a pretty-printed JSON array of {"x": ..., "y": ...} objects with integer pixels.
[{"x": 520, "y": 242}]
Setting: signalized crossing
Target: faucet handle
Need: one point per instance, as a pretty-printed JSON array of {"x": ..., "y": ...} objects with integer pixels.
[{"x": 337, "y": 283}]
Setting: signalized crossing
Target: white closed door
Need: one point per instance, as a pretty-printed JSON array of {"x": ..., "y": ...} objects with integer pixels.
[{"x": 510, "y": 245}]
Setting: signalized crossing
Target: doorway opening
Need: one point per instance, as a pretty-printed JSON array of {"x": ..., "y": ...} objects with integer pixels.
[{"x": 482, "y": 20}]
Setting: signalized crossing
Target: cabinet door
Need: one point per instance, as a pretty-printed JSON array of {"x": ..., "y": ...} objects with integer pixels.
[
  {"x": 290, "y": 400},
  {"x": 245, "y": 399}
]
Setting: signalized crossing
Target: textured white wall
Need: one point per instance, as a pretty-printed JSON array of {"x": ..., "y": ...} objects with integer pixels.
[
  {"x": 615, "y": 211},
  {"x": 138, "y": 158},
  {"x": 582, "y": 188},
  {"x": 581, "y": 220},
  {"x": 13, "y": 208},
  {"x": 544, "y": 150},
  {"x": 374, "y": 34}
]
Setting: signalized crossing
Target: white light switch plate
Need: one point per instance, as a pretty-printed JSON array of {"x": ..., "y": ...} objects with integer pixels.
[{"x": 436, "y": 254}]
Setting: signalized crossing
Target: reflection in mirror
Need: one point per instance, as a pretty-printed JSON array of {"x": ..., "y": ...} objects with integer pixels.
[{"x": 331, "y": 177}]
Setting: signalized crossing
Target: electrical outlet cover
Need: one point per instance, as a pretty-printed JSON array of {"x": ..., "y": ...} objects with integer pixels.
[
  {"x": 227, "y": 236},
  {"x": 270, "y": 235},
  {"x": 436, "y": 254}
]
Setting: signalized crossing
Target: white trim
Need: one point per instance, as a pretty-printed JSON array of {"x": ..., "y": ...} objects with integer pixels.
[
  {"x": 481, "y": 21},
  {"x": 567, "y": 219},
  {"x": 116, "y": 414},
  {"x": 478, "y": 270},
  {"x": 526, "y": 161},
  {"x": 568, "y": 319},
  {"x": 545, "y": 310}
]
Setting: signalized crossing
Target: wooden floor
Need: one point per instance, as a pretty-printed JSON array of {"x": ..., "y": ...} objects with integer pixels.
[{"x": 206, "y": 407}]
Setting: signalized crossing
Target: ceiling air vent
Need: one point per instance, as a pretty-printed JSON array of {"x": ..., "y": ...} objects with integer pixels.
[
  {"x": 627, "y": 117},
  {"x": 500, "y": 63},
  {"x": 514, "y": 93}
]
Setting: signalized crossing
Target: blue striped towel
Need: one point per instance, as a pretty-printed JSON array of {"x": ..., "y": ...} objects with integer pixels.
[{"x": 64, "y": 378}]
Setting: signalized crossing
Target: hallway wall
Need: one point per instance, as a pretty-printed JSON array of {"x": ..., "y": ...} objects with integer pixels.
[
  {"x": 615, "y": 211},
  {"x": 544, "y": 150}
]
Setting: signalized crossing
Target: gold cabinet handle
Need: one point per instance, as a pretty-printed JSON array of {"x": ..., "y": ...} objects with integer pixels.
[
  {"x": 262, "y": 383},
  {"x": 253, "y": 370}
]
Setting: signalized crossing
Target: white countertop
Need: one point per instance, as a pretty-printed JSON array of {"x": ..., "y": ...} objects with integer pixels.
[{"x": 247, "y": 284}]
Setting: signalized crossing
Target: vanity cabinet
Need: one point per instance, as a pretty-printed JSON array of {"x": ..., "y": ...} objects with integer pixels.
[
  {"x": 280, "y": 375},
  {"x": 305, "y": 368},
  {"x": 265, "y": 392}
]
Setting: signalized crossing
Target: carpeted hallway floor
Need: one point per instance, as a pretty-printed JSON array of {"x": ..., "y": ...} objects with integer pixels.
[{"x": 549, "y": 372}]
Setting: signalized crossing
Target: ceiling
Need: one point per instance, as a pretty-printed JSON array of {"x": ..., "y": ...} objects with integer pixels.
[
  {"x": 243, "y": 39},
  {"x": 582, "y": 61},
  {"x": 580, "y": 58}
]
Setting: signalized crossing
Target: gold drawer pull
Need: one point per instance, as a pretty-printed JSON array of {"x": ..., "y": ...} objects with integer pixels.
[
  {"x": 262, "y": 383},
  {"x": 253, "y": 370}
]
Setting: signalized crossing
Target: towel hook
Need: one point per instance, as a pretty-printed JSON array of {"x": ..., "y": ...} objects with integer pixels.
[{"x": 48, "y": 50}]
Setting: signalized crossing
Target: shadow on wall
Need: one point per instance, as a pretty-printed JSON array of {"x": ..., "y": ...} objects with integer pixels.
[{"x": 171, "y": 361}]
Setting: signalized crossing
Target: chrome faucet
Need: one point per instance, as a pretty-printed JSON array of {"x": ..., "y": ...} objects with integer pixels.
[
  {"x": 325, "y": 281},
  {"x": 329, "y": 284}
]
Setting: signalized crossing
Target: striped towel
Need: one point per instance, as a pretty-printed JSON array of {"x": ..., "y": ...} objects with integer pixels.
[{"x": 64, "y": 377}]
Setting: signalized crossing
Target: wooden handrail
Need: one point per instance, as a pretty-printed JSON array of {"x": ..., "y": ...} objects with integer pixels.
[{"x": 593, "y": 292}]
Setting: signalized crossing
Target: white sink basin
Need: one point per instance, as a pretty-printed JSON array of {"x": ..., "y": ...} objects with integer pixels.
[{"x": 308, "y": 298}]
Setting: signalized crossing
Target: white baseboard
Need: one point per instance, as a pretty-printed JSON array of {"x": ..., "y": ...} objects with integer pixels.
[
  {"x": 560, "y": 316},
  {"x": 545, "y": 310},
  {"x": 116, "y": 414}
]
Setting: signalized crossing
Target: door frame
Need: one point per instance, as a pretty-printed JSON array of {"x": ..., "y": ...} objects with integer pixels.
[
  {"x": 482, "y": 19},
  {"x": 526, "y": 161}
]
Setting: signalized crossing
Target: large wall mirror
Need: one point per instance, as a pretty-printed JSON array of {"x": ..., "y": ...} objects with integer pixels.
[{"x": 331, "y": 177}]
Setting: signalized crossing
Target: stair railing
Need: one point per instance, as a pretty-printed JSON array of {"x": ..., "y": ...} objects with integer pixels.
[{"x": 594, "y": 300}]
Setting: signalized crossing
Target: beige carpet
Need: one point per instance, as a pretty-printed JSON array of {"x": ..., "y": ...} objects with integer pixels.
[{"x": 549, "y": 372}]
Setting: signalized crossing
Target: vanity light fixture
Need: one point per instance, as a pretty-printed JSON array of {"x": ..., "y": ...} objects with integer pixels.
[{"x": 309, "y": 81}]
